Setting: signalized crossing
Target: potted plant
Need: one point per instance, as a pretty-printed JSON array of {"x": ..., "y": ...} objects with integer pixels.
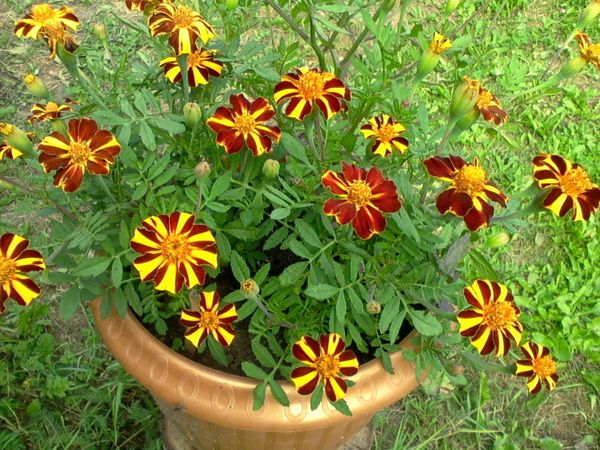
[{"x": 242, "y": 216}]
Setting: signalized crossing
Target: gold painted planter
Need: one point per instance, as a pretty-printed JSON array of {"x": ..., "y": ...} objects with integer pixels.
[{"x": 212, "y": 410}]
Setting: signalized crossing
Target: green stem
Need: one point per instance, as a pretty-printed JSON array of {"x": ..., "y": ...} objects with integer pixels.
[
  {"x": 315, "y": 45},
  {"x": 449, "y": 127},
  {"x": 486, "y": 366},
  {"x": 405, "y": 5},
  {"x": 182, "y": 60},
  {"x": 309, "y": 129},
  {"x": 71, "y": 63},
  {"x": 199, "y": 198},
  {"x": 57, "y": 252},
  {"x": 562, "y": 48},
  {"x": 104, "y": 187},
  {"x": 290, "y": 21}
]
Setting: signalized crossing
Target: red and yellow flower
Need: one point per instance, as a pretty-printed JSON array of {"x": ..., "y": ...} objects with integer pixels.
[
  {"x": 15, "y": 261},
  {"x": 174, "y": 251},
  {"x": 9, "y": 152},
  {"x": 324, "y": 360},
  {"x": 183, "y": 25},
  {"x": 141, "y": 5},
  {"x": 85, "y": 148},
  {"x": 364, "y": 196},
  {"x": 209, "y": 320},
  {"x": 539, "y": 366},
  {"x": 492, "y": 321},
  {"x": 589, "y": 52},
  {"x": 569, "y": 186},
  {"x": 201, "y": 64},
  {"x": 387, "y": 134},
  {"x": 49, "y": 111},
  {"x": 469, "y": 193},
  {"x": 51, "y": 25},
  {"x": 489, "y": 107},
  {"x": 306, "y": 88},
  {"x": 245, "y": 123}
]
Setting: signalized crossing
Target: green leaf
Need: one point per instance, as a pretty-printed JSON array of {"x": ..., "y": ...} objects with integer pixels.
[
  {"x": 280, "y": 213},
  {"x": 316, "y": 397},
  {"x": 120, "y": 302},
  {"x": 278, "y": 393},
  {"x": 259, "y": 396},
  {"x": 483, "y": 266},
  {"x": 262, "y": 354},
  {"x": 124, "y": 235},
  {"x": 292, "y": 273},
  {"x": 133, "y": 299},
  {"x": 253, "y": 371},
  {"x": 299, "y": 249},
  {"x": 342, "y": 407},
  {"x": 389, "y": 313},
  {"x": 217, "y": 351},
  {"x": 307, "y": 233},
  {"x": 426, "y": 323},
  {"x": 340, "y": 308},
  {"x": 139, "y": 191},
  {"x": 276, "y": 238},
  {"x": 395, "y": 327},
  {"x": 169, "y": 125},
  {"x": 321, "y": 291},
  {"x": 116, "y": 273},
  {"x": 147, "y": 136},
  {"x": 405, "y": 224},
  {"x": 261, "y": 275},
  {"x": 220, "y": 185},
  {"x": 92, "y": 267},
  {"x": 238, "y": 267},
  {"x": 69, "y": 302},
  {"x": 246, "y": 309},
  {"x": 386, "y": 361},
  {"x": 295, "y": 148},
  {"x": 109, "y": 118}
]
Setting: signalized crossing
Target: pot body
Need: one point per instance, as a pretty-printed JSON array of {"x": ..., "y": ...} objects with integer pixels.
[{"x": 207, "y": 409}]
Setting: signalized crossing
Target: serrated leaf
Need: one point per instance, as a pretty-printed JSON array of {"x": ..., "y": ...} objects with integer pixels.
[
  {"x": 139, "y": 191},
  {"x": 316, "y": 397},
  {"x": 116, "y": 272},
  {"x": 342, "y": 407},
  {"x": 321, "y": 291},
  {"x": 239, "y": 267},
  {"x": 259, "y": 396},
  {"x": 133, "y": 299},
  {"x": 426, "y": 323},
  {"x": 307, "y": 233},
  {"x": 340, "y": 308},
  {"x": 295, "y": 148},
  {"x": 395, "y": 327},
  {"x": 69, "y": 302},
  {"x": 389, "y": 313},
  {"x": 220, "y": 185},
  {"x": 120, "y": 302},
  {"x": 292, "y": 273},
  {"x": 276, "y": 238},
  {"x": 299, "y": 249}
]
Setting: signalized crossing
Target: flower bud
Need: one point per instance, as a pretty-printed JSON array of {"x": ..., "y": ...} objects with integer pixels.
[
  {"x": 373, "y": 307},
  {"x": 6, "y": 186},
  {"x": 100, "y": 31},
  {"x": 451, "y": 5},
  {"x": 498, "y": 240},
  {"x": 16, "y": 138},
  {"x": 231, "y": 4},
  {"x": 427, "y": 63},
  {"x": 250, "y": 289},
  {"x": 202, "y": 169},
  {"x": 36, "y": 86},
  {"x": 575, "y": 65},
  {"x": 271, "y": 168},
  {"x": 589, "y": 14},
  {"x": 464, "y": 98},
  {"x": 191, "y": 114},
  {"x": 467, "y": 121}
]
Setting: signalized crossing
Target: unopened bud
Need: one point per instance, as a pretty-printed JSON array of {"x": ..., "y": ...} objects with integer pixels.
[
  {"x": 271, "y": 168},
  {"x": 589, "y": 14},
  {"x": 451, "y": 5},
  {"x": 467, "y": 121},
  {"x": 498, "y": 240},
  {"x": 6, "y": 186},
  {"x": 231, "y": 4},
  {"x": 249, "y": 288},
  {"x": 427, "y": 63},
  {"x": 36, "y": 86},
  {"x": 572, "y": 67},
  {"x": 100, "y": 31},
  {"x": 16, "y": 138},
  {"x": 373, "y": 307},
  {"x": 464, "y": 98},
  {"x": 202, "y": 169},
  {"x": 191, "y": 114}
]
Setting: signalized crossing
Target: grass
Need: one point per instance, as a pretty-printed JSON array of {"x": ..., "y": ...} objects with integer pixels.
[{"x": 60, "y": 387}]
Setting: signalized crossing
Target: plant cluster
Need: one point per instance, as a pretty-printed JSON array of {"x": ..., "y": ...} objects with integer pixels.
[{"x": 296, "y": 197}]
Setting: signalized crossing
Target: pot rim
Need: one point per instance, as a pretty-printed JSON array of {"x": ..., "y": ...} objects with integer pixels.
[{"x": 226, "y": 399}]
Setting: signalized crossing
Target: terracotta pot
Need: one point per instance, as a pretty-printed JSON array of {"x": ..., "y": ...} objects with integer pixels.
[{"x": 209, "y": 409}]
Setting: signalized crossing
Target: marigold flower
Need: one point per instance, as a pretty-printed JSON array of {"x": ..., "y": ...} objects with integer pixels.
[
  {"x": 183, "y": 24},
  {"x": 85, "y": 148},
  {"x": 50, "y": 24},
  {"x": 245, "y": 123},
  {"x": 538, "y": 366},
  {"x": 493, "y": 320},
  {"x": 489, "y": 107},
  {"x": 440, "y": 43},
  {"x": 363, "y": 197},
  {"x": 469, "y": 193},
  {"x": 174, "y": 249},
  {"x": 50, "y": 111},
  {"x": 569, "y": 186},
  {"x": 209, "y": 320},
  {"x": 201, "y": 63},
  {"x": 307, "y": 88},
  {"x": 589, "y": 52},
  {"x": 36, "y": 86},
  {"x": 325, "y": 360},
  {"x": 141, "y": 5},
  {"x": 15, "y": 261},
  {"x": 387, "y": 134}
]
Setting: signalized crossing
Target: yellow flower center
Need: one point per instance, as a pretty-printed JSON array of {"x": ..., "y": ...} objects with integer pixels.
[
  {"x": 470, "y": 179},
  {"x": 80, "y": 152},
  {"x": 591, "y": 53},
  {"x": 43, "y": 13},
  {"x": 51, "y": 107},
  {"x": 7, "y": 269},
  {"x": 29, "y": 78},
  {"x": 484, "y": 99},
  {"x": 440, "y": 44},
  {"x": 196, "y": 59},
  {"x": 311, "y": 85},
  {"x": 245, "y": 123},
  {"x": 499, "y": 315},
  {"x": 359, "y": 193},
  {"x": 184, "y": 17},
  {"x": 386, "y": 133},
  {"x": 575, "y": 182},
  {"x": 249, "y": 286},
  {"x": 544, "y": 367},
  {"x": 6, "y": 128},
  {"x": 209, "y": 320},
  {"x": 327, "y": 366},
  {"x": 175, "y": 248}
]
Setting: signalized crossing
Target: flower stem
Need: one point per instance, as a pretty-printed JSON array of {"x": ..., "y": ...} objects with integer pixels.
[
  {"x": 561, "y": 49},
  {"x": 449, "y": 127},
  {"x": 315, "y": 45},
  {"x": 105, "y": 189},
  {"x": 182, "y": 60},
  {"x": 199, "y": 198}
]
